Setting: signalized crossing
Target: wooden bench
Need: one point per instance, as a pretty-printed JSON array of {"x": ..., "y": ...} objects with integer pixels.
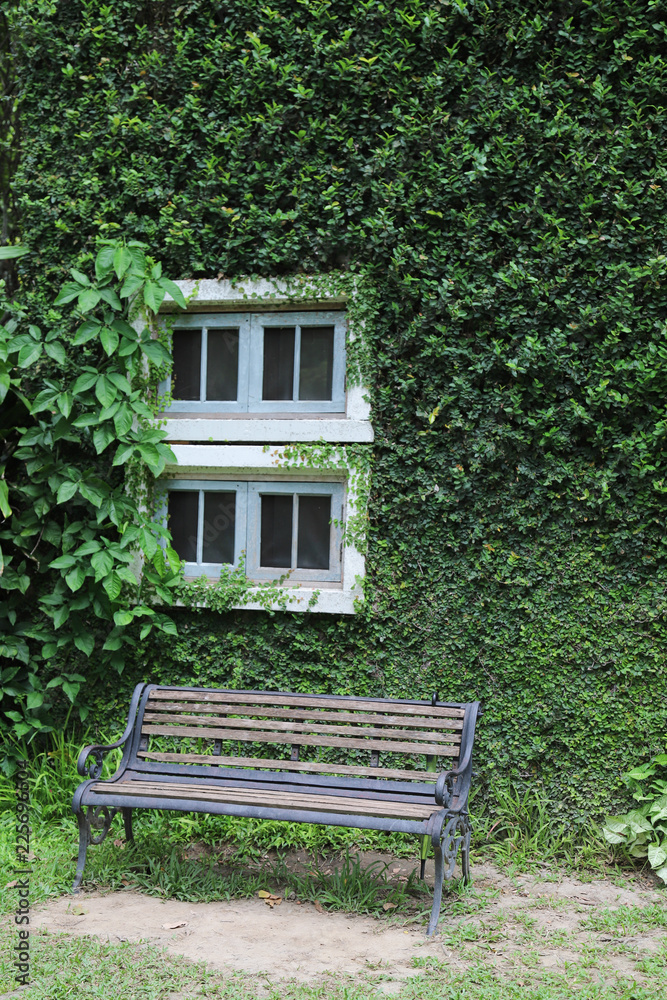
[{"x": 280, "y": 756}]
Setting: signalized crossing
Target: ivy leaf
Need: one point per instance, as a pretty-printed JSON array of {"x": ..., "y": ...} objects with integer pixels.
[
  {"x": 109, "y": 340},
  {"x": 75, "y": 578},
  {"x": 66, "y": 491},
  {"x": 105, "y": 391},
  {"x": 88, "y": 299}
]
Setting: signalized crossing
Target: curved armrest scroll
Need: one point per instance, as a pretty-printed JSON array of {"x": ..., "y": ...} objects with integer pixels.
[{"x": 99, "y": 750}]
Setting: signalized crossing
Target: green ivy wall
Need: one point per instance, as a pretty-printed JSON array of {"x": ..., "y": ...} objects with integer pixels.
[{"x": 496, "y": 172}]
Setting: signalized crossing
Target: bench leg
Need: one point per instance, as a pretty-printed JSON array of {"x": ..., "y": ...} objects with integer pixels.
[
  {"x": 465, "y": 855},
  {"x": 84, "y": 840},
  {"x": 127, "y": 823},
  {"x": 445, "y": 848}
]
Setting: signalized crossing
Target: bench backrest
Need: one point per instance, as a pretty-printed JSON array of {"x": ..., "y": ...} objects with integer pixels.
[{"x": 294, "y": 732}]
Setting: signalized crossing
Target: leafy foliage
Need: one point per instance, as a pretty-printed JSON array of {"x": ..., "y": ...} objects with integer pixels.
[
  {"x": 74, "y": 416},
  {"x": 643, "y": 831},
  {"x": 496, "y": 173}
]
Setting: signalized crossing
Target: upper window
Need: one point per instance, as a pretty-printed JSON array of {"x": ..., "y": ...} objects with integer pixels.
[{"x": 288, "y": 362}]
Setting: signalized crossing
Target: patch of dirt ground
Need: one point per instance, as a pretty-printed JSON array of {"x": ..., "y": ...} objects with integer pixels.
[{"x": 543, "y": 921}]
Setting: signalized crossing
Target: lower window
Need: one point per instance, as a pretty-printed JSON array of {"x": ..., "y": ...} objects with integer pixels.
[{"x": 283, "y": 528}]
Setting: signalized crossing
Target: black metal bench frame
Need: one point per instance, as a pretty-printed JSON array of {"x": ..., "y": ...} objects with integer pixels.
[{"x": 429, "y": 805}]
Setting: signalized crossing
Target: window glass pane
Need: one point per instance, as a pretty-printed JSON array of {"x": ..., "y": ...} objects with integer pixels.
[
  {"x": 314, "y": 532},
  {"x": 278, "y": 378},
  {"x": 219, "y": 524},
  {"x": 276, "y": 530},
  {"x": 316, "y": 368},
  {"x": 185, "y": 376},
  {"x": 222, "y": 367},
  {"x": 183, "y": 510}
]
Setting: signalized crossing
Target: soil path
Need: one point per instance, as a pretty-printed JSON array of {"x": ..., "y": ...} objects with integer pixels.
[{"x": 502, "y": 919}]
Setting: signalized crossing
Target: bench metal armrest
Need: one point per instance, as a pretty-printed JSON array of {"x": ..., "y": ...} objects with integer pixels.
[
  {"x": 99, "y": 750},
  {"x": 455, "y": 784}
]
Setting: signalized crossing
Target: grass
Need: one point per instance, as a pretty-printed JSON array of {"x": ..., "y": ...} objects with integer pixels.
[{"x": 242, "y": 857}]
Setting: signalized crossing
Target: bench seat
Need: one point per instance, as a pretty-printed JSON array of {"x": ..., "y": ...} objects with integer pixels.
[{"x": 367, "y": 763}]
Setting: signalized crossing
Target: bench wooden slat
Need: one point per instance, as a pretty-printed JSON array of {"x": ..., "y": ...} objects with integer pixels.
[
  {"x": 258, "y": 763},
  {"x": 298, "y": 701},
  {"x": 294, "y": 713},
  {"x": 297, "y": 728},
  {"x": 277, "y": 800},
  {"x": 253, "y": 736}
]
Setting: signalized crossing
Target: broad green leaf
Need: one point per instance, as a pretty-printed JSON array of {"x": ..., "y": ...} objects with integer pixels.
[
  {"x": 67, "y": 293},
  {"x": 56, "y": 351},
  {"x": 102, "y": 563},
  {"x": 168, "y": 626},
  {"x": 123, "y": 452},
  {"x": 75, "y": 578},
  {"x": 123, "y": 618},
  {"x": 123, "y": 421},
  {"x": 153, "y": 295},
  {"x": 127, "y": 347},
  {"x": 662, "y": 873},
  {"x": 84, "y": 382},
  {"x": 86, "y": 332},
  {"x": 119, "y": 381},
  {"x": 87, "y": 548},
  {"x": 60, "y": 616},
  {"x": 175, "y": 292},
  {"x": 110, "y": 296},
  {"x": 63, "y": 562},
  {"x": 34, "y": 700},
  {"x": 104, "y": 261},
  {"x": 122, "y": 259},
  {"x": 5, "y": 509},
  {"x": 105, "y": 391},
  {"x": 91, "y": 494},
  {"x": 109, "y": 340},
  {"x": 85, "y": 642},
  {"x": 5, "y": 382},
  {"x": 80, "y": 278},
  {"x": 112, "y": 584},
  {"x": 29, "y": 354},
  {"x": 44, "y": 400},
  {"x": 11, "y": 253},
  {"x": 657, "y": 855},
  {"x": 66, "y": 491},
  {"x": 49, "y": 649},
  {"x": 120, "y": 326},
  {"x": 145, "y": 630},
  {"x": 125, "y": 573},
  {"x": 88, "y": 299},
  {"x": 102, "y": 438},
  {"x": 155, "y": 352},
  {"x": 65, "y": 403},
  {"x": 71, "y": 690},
  {"x": 131, "y": 285}
]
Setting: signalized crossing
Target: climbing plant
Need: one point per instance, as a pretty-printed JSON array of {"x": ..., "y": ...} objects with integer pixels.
[
  {"x": 81, "y": 558},
  {"x": 496, "y": 173}
]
